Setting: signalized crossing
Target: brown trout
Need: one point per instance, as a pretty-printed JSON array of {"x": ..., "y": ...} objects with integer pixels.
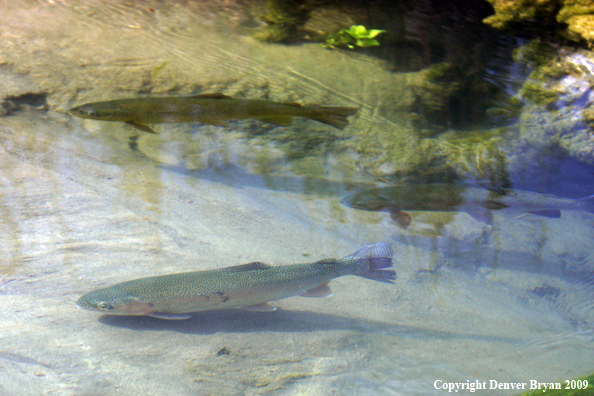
[
  {"x": 477, "y": 202},
  {"x": 249, "y": 286},
  {"x": 214, "y": 109}
]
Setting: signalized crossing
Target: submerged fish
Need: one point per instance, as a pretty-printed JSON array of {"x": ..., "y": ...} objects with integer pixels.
[
  {"x": 214, "y": 109},
  {"x": 477, "y": 202},
  {"x": 250, "y": 286}
]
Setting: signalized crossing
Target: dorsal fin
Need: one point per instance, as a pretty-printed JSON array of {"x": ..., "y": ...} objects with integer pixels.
[
  {"x": 327, "y": 261},
  {"x": 293, "y": 104},
  {"x": 256, "y": 265},
  {"x": 214, "y": 95}
]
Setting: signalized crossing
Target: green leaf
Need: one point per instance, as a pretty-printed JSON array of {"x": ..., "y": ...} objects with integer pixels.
[
  {"x": 374, "y": 32},
  {"x": 357, "y": 31},
  {"x": 365, "y": 42},
  {"x": 356, "y": 35}
]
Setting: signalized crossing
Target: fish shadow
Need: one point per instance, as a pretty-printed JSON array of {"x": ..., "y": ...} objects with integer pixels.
[{"x": 239, "y": 321}]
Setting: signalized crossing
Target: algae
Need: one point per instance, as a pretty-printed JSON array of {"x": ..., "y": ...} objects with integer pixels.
[
  {"x": 535, "y": 53},
  {"x": 565, "y": 19},
  {"x": 578, "y": 15},
  {"x": 509, "y": 14},
  {"x": 477, "y": 156},
  {"x": 543, "y": 58},
  {"x": 284, "y": 18},
  {"x": 537, "y": 92},
  {"x": 433, "y": 94},
  {"x": 448, "y": 97}
]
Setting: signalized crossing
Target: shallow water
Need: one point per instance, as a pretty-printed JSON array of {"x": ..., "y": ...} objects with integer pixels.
[{"x": 85, "y": 204}]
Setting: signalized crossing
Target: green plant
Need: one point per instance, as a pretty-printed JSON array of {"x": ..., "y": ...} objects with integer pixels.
[{"x": 356, "y": 35}]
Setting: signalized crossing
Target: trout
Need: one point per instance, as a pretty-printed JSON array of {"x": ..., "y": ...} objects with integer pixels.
[
  {"x": 213, "y": 109},
  {"x": 249, "y": 286},
  {"x": 477, "y": 202}
]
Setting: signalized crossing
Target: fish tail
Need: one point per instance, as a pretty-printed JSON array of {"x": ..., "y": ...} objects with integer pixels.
[
  {"x": 378, "y": 257},
  {"x": 331, "y": 115}
]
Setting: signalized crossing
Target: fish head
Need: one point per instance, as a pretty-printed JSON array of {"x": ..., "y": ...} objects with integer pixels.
[
  {"x": 113, "y": 302},
  {"x": 373, "y": 199},
  {"x": 97, "y": 111}
]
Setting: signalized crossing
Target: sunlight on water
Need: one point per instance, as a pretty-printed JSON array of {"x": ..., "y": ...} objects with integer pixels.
[{"x": 470, "y": 153}]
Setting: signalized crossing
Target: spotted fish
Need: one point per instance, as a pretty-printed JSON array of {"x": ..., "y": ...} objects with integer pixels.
[
  {"x": 250, "y": 286},
  {"x": 213, "y": 108},
  {"x": 477, "y": 202}
]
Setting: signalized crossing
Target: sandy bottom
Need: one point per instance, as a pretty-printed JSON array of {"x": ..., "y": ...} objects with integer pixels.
[
  {"x": 82, "y": 208},
  {"x": 82, "y": 211}
]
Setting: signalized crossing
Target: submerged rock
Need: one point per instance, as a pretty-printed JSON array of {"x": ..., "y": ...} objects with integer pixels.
[{"x": 570, "y": 19}]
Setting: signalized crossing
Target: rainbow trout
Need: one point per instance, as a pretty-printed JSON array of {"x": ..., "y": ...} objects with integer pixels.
[
  {"x": 477, "y": 202},
  {"x": 250, "y": 286},
  {"x": 214, "y": 109}
]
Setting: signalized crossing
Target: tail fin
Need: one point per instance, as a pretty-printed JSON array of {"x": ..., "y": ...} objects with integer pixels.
[
  {"x": 378, "y": 256},
  {"x": 331, "y": 115}
]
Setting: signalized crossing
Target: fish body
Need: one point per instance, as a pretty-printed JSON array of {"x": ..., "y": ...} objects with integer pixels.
[
  {"x": 477, "y": 202},
  {"x": 249, "y": 286},
  {"x": 214, "y": 109}
]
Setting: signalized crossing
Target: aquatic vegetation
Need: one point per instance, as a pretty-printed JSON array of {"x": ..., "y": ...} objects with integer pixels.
[
  {"x": 578, "y": 15},
  {"x": 355, "y": 36},
  {"x": 433, "y": 94},
  {"x": 534, "y": 53},
  {"x": 477, "y": 156},
  {"x": 588, "y": 116},
  {"x": 509, "y": 13},
  {"x": 559, "y": 76},
  {"x": 568, "y": 19},
  {"x": 284, "y": 18},
  {"x": 156, "y": 69},
  {"x": 542, "y": 58},
  {"x": 536, "y": 92}
]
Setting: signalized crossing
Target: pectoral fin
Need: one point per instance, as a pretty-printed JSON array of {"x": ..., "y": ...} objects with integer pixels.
[
  {"x": 321, "y": 290},
  {"x": 169, "y": 316},
  {"x": 401, "y": 218},
  {"x": 140, "y": 127},
  {"x": 264, "y": 307}
]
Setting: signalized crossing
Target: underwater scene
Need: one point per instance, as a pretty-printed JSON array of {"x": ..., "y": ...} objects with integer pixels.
[{"x": 296, "y": 197}]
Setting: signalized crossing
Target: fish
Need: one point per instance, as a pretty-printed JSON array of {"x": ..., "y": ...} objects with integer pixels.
[
  {"x": 210, "y": 108},
  {"x": 476, "y": 201},
  {"x": 249, "y": 286}
]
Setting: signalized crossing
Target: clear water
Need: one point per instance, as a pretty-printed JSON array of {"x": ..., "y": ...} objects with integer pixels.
[{"x": 86, "y": 204}]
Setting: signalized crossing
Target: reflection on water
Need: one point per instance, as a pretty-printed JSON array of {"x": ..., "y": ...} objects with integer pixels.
[{"x": 85, "y": 204}]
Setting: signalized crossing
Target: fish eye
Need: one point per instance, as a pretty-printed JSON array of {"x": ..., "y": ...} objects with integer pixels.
[{"x": 104, "y": 305}]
